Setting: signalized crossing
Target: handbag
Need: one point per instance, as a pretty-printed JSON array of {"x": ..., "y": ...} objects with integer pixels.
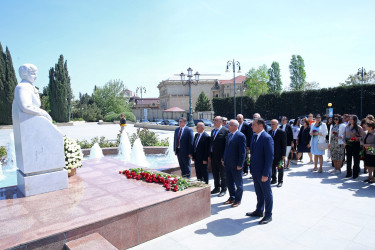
[{"x": 322, "y": 145}]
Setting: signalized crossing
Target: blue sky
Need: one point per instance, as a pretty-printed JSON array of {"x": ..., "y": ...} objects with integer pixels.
[{"x": 144, "y": 42}]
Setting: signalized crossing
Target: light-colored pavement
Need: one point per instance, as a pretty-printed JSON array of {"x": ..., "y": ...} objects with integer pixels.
[{"x": 311, "y": 211}]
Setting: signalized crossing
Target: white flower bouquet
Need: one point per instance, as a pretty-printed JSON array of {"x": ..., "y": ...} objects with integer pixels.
[{"x": 73, "y": 154}]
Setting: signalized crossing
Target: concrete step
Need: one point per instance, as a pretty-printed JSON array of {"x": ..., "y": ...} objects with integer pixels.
[{"x": 91, "y": 241}]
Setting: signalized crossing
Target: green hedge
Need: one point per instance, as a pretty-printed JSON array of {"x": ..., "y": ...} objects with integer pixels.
[{"x": 297, "y": 103}]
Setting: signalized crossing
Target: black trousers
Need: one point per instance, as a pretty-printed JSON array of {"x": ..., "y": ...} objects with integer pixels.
[
  {"x": 352, "y": 152},
  {"x": 201, "y": 171},
  {"x": 218, "y": 171},
  {"x": 280, "y": 177}
]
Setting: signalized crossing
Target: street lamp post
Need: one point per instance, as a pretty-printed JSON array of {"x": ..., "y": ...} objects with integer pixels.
[
  {"x": 362, "y": 73},
  {"x": 190, "y": 82},
  {"x": 234, "y": 63},
  {"x": 142, "y": 90}
]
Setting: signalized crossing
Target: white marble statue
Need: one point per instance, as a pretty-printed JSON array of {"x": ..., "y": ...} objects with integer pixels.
[
  {"x": 26, "y": 95},
  {"x": 39, "y": 144}
]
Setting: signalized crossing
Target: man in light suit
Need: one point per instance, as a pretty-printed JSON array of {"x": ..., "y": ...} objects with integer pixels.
[
  {"x": 183, "y": 146},
  {"x": 234, "y": 157},
  {"x": 217, "y": 147},
  {"x": 279, "y": 142},
  {"x": 261, "y": 169},
  {"x": 201, "y": 152}
]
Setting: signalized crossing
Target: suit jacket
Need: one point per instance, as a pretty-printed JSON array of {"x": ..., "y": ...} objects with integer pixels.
[
  {"x": 186, "y": 141},
  {"x": 245, "y": 129},
  {"x": 289, "y": 134},
  {"x": 279, "y": 144},
  {"x": 202, "y": 150},
  {"x": 262, "y": 156},
  {"x": 218, "y": 143},
  {"x": 235, "y": 150}
]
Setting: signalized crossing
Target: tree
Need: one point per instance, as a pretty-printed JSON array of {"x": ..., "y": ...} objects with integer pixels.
[
  {"x": 274, "y": 83},
  {"x": 257, "y": 82},
  {"x": 8, "y": 82},
  {"x": 110, "y": 98},
  {"x": 311, "y": 85},
  {"x": 357, "y": 79},
  {"x": 203, "y": 103},
  {"x": 297, "y": 73},
  {"x": 60, "y": 93}
]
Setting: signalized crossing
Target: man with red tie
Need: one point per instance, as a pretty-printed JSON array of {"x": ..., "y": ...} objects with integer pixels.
[{"x": 183, "y": 146}]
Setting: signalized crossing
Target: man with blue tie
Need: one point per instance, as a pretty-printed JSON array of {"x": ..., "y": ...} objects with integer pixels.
[
  {"x": 201, "y": 152},
  {"x": 261, "y": 168},
  {"x": 233, "y": 159},
  {"x": 183, "y": 146}
]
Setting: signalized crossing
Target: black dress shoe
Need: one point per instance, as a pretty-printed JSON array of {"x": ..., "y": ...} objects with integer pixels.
[
  {"x": 273, "y": 182},
  {"x": 355, "y": 177},
  {"x": 280, "y": 184},
  {"x": 265, "y": 220},
  {"x": 222, "y": 193},
  {"x": 348, "y": 175},
  {"x": 254, "y": 214},
  {"x": 215, "y": 191}
]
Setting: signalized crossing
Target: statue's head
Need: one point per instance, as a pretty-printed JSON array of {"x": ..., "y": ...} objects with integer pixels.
[{"x": 28, "y": 72}]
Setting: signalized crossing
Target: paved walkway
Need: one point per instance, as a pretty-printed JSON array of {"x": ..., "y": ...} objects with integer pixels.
[{"x": 311, "y": 211}]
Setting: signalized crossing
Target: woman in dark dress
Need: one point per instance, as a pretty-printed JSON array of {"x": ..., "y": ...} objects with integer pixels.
[{"x": 303, "y": 140}]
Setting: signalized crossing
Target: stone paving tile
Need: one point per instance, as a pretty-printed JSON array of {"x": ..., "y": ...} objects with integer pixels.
[{"x": 311, "y": 211}]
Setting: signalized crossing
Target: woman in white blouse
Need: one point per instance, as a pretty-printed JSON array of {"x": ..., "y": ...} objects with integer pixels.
[{"x": 318, "y": 132}]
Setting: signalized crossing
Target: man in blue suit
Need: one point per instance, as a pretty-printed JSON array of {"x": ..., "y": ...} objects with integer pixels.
[
  {"x": 233, "y": 159},
  {"x": 261, "y": 168},
  {"x": 183, "y": 146}
]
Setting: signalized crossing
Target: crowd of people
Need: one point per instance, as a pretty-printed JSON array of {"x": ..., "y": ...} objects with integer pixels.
[{"x": 237, "y": 148}]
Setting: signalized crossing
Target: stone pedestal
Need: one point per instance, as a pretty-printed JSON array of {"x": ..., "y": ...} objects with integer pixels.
[
  {"x": 40, "y": 155},
  {"x": 42, "y": 182}
]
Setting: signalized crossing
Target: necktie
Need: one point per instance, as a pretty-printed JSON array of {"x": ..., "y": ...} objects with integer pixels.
[
  {"x": 255, "y": 138},
  {"x": 214, "y": 133},
  {"x": 178, "y": 138},
  {"x": 196, "y": 142}
]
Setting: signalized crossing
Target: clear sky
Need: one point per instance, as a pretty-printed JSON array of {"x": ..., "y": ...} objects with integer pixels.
[{"x": 144, "y": 42}]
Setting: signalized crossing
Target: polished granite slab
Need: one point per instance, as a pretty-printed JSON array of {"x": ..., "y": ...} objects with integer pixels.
[{"x": 125, "y": 212}]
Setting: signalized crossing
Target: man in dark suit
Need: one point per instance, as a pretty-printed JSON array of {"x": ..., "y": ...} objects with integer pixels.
[
  {"x": 234, "y": 157},
  {"x": 201, "y": 152},
  {"x": 244, "y": 128},
  {"x": 183, "y": 146},
  {"x": 279, "y": 142},
  {"x": 261, "y": 168},
  {"x": 289, "y": 138},
  {"x": 218, "y": 139}
]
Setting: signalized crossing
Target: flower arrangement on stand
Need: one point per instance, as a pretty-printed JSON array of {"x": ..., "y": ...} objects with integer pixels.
[
  {"x": 73, "y": 155},
  {"x": 169, "y": 182}
]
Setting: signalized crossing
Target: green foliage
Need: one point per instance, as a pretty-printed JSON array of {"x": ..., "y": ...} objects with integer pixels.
[
  {"x": 224, "y": 106},
  {"x": 297, "y": 103},
  {"x": 91, "y": 113},
  {"x": 110, "y": 98},
  {"x": 311, "y": 85},
  {"x": 274, "y": 83},
  {"x": 8, "y": 82},
  {"x": 60, "y": 93},
  {"x": 3, "y": 153},
  {"x": 297, "y": 73},
  {"x": 203, "y": 103},
  {"x": 369, "y": 78},
  {"x": 102, "y": 141},
  {"x": 257, "y": 81},
  {"x": 148, "y": 138},
  {"x": 111, "y": 116}
]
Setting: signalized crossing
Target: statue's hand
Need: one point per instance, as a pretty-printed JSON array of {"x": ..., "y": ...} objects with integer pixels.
[{"x": 46, "y": 115}]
